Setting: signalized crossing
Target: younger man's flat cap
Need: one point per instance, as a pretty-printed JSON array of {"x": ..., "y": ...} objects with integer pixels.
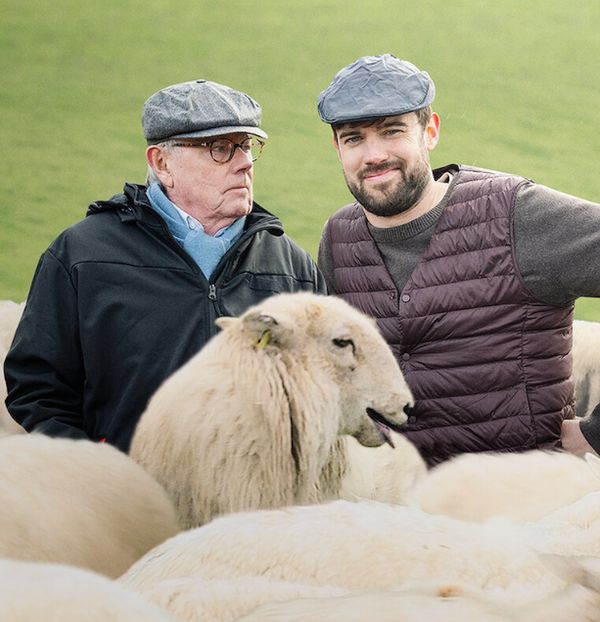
[
  {"x": 375, "y": 86},
  {"x": 199, "y": 109}
]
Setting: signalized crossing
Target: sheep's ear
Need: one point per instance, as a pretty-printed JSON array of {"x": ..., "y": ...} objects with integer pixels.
[
  {"x": 225, "y": 321},
  {"x": 593, "y": 462},
  {"x": 262, "y": 328}
]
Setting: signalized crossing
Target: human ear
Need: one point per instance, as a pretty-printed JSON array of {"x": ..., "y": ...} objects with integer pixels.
[
  {"x": 432, "y": 131},
  {"x": 158, "y": 161}
]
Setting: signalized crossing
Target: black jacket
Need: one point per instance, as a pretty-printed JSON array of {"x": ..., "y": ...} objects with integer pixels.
[{"x": 116, "y": 305}]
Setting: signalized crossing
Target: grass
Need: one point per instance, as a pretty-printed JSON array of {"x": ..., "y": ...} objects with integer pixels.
[{"x": 516, "y": 91}]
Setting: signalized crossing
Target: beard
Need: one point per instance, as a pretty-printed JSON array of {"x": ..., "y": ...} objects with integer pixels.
[{"x": 399, "y": 196}]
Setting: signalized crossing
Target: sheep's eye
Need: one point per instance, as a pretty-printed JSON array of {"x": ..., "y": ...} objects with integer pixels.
[{"x": 344, "y": 343}]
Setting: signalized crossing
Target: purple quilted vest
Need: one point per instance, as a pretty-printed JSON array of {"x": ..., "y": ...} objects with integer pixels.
[{"x": 488, "y": 364}]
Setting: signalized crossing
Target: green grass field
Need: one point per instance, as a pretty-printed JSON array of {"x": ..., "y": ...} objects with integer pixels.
[{"x": 517, "y": 91}]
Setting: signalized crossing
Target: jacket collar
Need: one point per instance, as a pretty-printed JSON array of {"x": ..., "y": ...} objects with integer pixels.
[{"x": 132, "y": 205}]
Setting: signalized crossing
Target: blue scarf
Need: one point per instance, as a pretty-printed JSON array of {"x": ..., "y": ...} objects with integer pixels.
[{"x": 206, "y": 250}]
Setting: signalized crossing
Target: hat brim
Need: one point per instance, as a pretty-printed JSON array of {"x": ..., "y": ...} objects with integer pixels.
[{"x": 220, "y": 131}]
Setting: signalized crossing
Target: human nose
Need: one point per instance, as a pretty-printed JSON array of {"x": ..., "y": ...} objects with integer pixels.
[
  {"x": 241, "y": 160},
  {"x": 374, "y": 151}
]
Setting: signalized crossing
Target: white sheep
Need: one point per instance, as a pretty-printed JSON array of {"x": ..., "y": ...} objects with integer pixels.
[
  {"x": 254, "y": 419},
  {"x": 586, "y": 365},
  {"x": 374, "y": 546},
  {"x": 193, "y": 599},
  {"x": 575, "y": 603},
  {"x": 388, "y": 606},
  {"x": 250, "y": 599},
  {"x": 522, "y": 486},
  {"x": 78, "y": 502},
  {"x": 356, "y": 546},
  {"x": 42, "y": 592},
  {"x": 10, "y": 314}
]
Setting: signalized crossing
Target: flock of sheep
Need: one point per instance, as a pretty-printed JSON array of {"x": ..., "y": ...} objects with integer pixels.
[{"x": 263, "y": 483}]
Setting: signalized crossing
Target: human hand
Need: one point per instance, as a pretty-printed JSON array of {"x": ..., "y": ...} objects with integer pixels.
[{"x": 573, "y": 440}]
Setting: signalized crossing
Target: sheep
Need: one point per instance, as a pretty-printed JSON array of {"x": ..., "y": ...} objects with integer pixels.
[
  {"x": 80, "y": 503},
  {"x": 370, "y": 545},
  {"x": 356, "y": 546},
  {"x": 254, "y": 420},
  {"x": 524, "y": 487},
  {"x": 576, "y": 603},
  {"x": 387, "y": 473},
  {"x": 193, "y": 599},
  {"x": 586, "y": 365},
  {"x": 10, "y": 313},
  {"x": 59, "y": 593},
  {"x": 390, "y": 606},
  {"x": 250, "y": 599}
]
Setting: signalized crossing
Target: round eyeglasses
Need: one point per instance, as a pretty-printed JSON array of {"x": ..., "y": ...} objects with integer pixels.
[{"x": 222, "y": 150}]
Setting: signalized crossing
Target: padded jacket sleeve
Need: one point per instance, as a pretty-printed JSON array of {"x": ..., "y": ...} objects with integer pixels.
[{"x": 43, "y": 368}]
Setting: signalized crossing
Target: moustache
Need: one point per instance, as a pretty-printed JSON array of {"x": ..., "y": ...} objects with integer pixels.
[{"x": 380, "y": 168}]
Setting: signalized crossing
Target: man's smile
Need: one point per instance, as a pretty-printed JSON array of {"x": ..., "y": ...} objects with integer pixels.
[{"x": 380, "y": 175}]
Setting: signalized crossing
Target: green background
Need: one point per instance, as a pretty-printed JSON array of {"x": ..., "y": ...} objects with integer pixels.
[{"x": 517, "y": 83}]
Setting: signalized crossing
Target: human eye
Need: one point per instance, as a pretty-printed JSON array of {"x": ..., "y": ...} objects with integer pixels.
[
  {"x": 390, "y": 132},
  {"x": 246, "y": 145},
  {"x": 220, "y": 147},
  {"x": 353, "y": 139}
]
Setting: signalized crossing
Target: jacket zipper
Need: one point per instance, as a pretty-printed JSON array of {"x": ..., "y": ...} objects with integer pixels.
[
  {"x": 219, "y": 272},
  {"x": 212, "y": 288}
]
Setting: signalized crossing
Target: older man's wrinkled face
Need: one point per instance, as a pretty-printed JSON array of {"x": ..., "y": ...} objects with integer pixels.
[
  {"x": 214, "y": 193},
  {"x": 385, "y": 162}
]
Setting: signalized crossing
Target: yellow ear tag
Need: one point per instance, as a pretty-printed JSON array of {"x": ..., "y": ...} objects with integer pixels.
[{"x": 263, "y": 342}]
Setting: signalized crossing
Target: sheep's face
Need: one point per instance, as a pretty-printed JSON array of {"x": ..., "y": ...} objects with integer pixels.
[
  {"x": 374, "y": 394},
  {"x": 338, "y": 345}
]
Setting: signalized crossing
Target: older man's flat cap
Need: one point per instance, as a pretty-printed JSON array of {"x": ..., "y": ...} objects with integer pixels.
[
  {"x": 197, "y": 109},
  {"x": 375, "y": 86}
]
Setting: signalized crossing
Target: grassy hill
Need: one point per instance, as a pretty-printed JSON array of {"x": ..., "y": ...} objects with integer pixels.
[{"x": 517, "y": 91}]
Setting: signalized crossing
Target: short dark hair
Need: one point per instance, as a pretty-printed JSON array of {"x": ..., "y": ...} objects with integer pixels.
[{"x": 423, "y": 117}]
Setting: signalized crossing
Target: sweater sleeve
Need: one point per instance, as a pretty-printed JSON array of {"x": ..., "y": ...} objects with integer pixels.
[
  {"x": 557, "y": 243},
  {"x": 44, "y": 369}
]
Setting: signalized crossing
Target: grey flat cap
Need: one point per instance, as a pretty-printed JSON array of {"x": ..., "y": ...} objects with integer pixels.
[
  {"x": 375, "y": 86},
  {"x": 197, "y": 109}
]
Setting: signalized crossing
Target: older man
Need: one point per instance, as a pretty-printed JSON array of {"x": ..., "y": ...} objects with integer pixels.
[
  {"x": 123, "y": 298},
  {"x": 471, "y": 274}
]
